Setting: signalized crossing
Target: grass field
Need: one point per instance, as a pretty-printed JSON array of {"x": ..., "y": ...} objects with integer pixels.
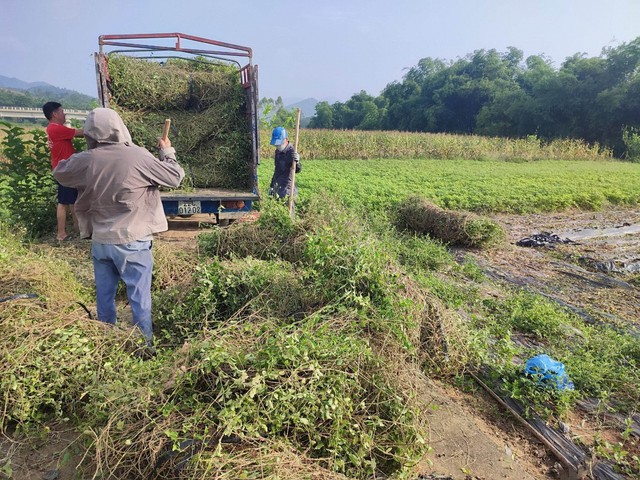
[{"x": 482, "y": 186}]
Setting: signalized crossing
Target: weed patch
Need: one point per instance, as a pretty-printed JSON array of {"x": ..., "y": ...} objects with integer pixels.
[
  {"x": 28, "y": 181},
  {"x": 601, "y": 362}
]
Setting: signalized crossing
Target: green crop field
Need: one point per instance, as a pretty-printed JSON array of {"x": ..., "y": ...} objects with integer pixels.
[{"x": 482, "y": 186}]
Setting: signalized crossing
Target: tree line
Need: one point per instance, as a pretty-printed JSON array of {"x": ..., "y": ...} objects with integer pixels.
[{"x": 502, "y": 94}]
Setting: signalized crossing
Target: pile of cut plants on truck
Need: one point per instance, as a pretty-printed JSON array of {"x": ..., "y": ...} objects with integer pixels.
[{"x": 207, "y": 108}]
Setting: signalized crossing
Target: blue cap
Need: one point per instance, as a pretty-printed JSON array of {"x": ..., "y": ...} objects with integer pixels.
[{"x": 278, "y": 136}]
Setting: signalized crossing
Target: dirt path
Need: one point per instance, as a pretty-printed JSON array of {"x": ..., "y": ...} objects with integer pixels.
[{"x": 591, "y": 275}]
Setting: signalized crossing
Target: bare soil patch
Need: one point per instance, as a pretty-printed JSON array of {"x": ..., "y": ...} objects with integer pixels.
[{"x": 579, "y": 273}]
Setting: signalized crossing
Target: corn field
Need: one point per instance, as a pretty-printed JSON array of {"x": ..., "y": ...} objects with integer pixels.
[{"x": 356, "y": 144}]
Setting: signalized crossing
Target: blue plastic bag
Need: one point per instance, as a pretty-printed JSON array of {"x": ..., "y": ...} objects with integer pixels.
[{"x": 548, "y": 372}]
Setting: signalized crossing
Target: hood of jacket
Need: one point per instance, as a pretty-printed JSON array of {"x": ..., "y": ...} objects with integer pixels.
[{"x": 104, "y": 126}]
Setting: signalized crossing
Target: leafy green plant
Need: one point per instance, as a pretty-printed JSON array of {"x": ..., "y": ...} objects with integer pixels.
[
  {"x": 223, "y": 289},
  {"x": 316, "y": 384},
  {"x": 29, "y": 184},
  {"x": 274, "y": 235},
  {"x": 536, "y": 396},
  {"x": 625, "y": 462},
  {"x": 631, "y": 139},
  {"x": 530, "y": 313}
]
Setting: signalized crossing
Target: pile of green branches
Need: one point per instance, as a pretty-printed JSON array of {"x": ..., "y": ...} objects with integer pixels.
[
  {"x": 315, "y": 385},
  {"x": 451, "y": 227},
  {"x": 296, "y": 362},
  {"x": 207, "y": 108}
]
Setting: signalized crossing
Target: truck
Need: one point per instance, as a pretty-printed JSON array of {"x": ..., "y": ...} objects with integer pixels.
[{"x": 222, "y": 191}]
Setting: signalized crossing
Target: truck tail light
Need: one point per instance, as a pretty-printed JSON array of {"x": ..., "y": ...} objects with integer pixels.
[{"x": 235, "y": 205}]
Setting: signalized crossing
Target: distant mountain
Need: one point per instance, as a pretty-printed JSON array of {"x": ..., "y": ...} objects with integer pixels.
[
  {"x": 17, "y": 84},
  {"x": 18, "y": 93},
  {"x": 307, "y": 107}
]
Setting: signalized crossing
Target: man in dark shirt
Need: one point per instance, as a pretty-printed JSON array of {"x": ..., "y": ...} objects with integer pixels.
[{"x": 284, "y": 158}]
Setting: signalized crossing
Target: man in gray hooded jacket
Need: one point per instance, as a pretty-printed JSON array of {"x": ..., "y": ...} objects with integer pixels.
[{"x": 119, "y": 208}]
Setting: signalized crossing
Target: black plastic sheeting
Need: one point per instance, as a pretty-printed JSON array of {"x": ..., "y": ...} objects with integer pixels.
[{"x": 542, "y": 239}]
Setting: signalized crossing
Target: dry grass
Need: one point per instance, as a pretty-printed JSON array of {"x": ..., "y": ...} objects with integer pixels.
[
  {"x": 26, "y": 271},
  {"x": 142, "y": 450},
  {"x": 451, "y": 227}
]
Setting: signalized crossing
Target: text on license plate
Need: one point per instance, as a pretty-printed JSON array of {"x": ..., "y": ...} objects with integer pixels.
[{"x": 189, "y": 208}]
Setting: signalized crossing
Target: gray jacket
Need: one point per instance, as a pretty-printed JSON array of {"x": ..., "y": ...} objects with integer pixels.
[
  {"x": 117, "y": 181},
  {"x": 281, "y": 180}
]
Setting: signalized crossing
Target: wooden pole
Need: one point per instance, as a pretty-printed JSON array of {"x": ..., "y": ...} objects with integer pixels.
[
  {"x": 293, "y": 167},
  {"x": 165, "y": 130}
]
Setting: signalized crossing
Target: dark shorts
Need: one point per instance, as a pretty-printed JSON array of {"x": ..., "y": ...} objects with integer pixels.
[{"x": 66, "y": 195}]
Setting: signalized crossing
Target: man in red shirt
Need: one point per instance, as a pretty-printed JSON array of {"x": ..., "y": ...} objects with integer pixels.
[{"x": 61, "y": 145}]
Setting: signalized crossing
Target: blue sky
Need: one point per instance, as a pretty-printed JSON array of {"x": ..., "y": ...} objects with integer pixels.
[{"x": 327, "y": 49}]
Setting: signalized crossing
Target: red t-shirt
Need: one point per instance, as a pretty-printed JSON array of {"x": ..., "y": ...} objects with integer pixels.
[{"x": 60, "y": 140}]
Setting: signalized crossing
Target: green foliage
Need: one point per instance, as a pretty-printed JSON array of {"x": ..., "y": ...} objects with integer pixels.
[
  {"x": 529, "y": 313},
  {"x": 420, "y": 253},
  {"x": 601, "y": 362},
  {"x": 631, "y": 139},
  {"x": 360, "y": 112},
  {"x": 346, "y": 263},
  {"x": 537, "y": 397},
  {"x": 274, "y": 114},
  {"x": 323, "y": 117},
  {"x": 337, "y": 257},
  {"x": 50, "y": 371},
  {"x": 31, "y": 189},
  {"x": 37, "y": 96},
  {"x": 316, "y": 384},
  {"x": 273, "y": 236},
  {"x": 223, "y": 289},
  {"x": 619, "y": 454}
]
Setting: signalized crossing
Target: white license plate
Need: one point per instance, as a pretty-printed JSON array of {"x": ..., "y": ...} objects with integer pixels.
[{"x": 189, "y": 208}]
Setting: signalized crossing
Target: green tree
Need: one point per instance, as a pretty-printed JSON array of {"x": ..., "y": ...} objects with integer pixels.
[
  {"x": 274, "y": 114},
  {"x": 493, "y": 93},
  {"x": 323, "y": 117}
]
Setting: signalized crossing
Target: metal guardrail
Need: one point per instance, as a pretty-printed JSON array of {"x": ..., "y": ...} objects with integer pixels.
[{"x": 36, "y": 113}]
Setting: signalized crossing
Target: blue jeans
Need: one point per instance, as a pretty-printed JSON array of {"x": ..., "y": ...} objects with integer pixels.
[{"x": 133, "y": 263}]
